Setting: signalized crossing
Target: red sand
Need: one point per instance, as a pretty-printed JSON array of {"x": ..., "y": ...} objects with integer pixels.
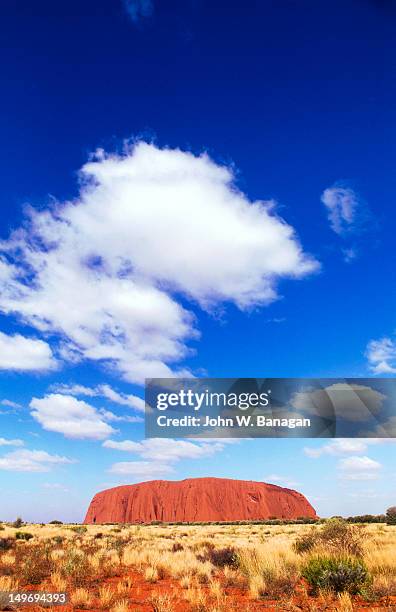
[{"x": 197, "y": 499}]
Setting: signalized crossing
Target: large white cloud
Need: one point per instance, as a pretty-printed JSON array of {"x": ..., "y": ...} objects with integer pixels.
[
  {"x": 104, "y": 271},
  {"x": 71, "y": 417},
  {"x": 25, "y": 354}
]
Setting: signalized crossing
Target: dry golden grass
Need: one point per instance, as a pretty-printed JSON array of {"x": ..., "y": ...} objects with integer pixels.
[
  {"x": 106, "y": 597},
  {"x": 80, "y": 561},
  {"x": 121, "y": 606},
  {"x": 81, "y": 598}
]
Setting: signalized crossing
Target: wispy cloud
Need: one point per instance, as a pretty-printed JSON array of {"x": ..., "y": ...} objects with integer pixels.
[
  {"x": 348, "y": 215},
  {"x": 381, "y": 355},
  {"x": 139, "y": 9},
  {"x": 345, "y": 446},
  {"x": 281, "y": 480},
  {"x": 31, "y": 461},
  {"x": 8, "y": 442},
  {"x": 342, "y": 205},
  {"x": 123, "y": 399},
  {"x": 141, "y": 470},
  {"x": 159, "y": 455},
  {"x": 164, "y": 449},
  {"x": 359, "y": 468},
  {"x": 339, "y": 446}
]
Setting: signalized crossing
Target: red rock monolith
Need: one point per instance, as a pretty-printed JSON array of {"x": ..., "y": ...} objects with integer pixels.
[{"x": 195, "y": 500}]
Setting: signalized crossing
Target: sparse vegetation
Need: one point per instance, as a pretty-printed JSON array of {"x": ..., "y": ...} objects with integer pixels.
[{"x": 196, "y": 568}]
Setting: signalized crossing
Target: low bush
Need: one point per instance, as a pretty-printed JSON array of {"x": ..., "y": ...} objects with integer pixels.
[
  {"x": 306, "y": 542},
  {"x": 223, "y": 557},
  {"x": 6, "y": 544},
  {"x": 337, "y": 536},
  {"x": 338, "y": 574},
  {"x": 80, "y": 529},
  {"x": 23, "y": 535}
]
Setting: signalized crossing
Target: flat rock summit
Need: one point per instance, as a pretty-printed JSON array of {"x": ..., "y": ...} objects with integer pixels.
[{"x": 195, "y": 500}]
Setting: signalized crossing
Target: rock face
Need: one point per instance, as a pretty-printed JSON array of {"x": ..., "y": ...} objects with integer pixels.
[{"x": 197, "y": 499}]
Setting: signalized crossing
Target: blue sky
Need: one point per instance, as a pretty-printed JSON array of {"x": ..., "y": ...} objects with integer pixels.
[{"x": 196, "y": 187}]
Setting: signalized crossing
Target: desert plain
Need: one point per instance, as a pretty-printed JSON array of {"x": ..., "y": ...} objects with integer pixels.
[{"x": 329, "y": 565}]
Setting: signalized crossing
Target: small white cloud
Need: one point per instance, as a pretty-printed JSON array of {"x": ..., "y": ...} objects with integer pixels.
[
  {"x": 349, "y": 254},
  {"x": 6, "y": 442},
  {"x": 55, "y": 486},
  {"x": 25, "y": 354},
  {"x": 281, "y": 480},
  {"x": 10, "y": 404},
  {"x": 69, "y": 416},
  {"x": 342, "y": 206},
  {"x": 141, "y": 470},
  {"x": 73, "y": 389},
  {"x": 381, "y": 355},
  {"x": 127, "y": 446},
  {"x": 31, "y": 461},
  {"x": 123, "y": 399},
  {"x": 359, "y": 468},
  {"x": 110, "y": 416}
]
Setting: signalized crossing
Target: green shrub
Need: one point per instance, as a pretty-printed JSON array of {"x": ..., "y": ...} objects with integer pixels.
[
  {"x": 76, "y": 567},
  {"x": 306, "y": 542},
  {"x": 341, "y": 538},
  {"x": 337, "y": 536},
  {"x": 17, "y": 523},
  {"x": 336, "y": 574},
  {"x": 56, "y": 522},
  {"x": 80, "y": 529},
  {"x": 35, "y": 565},
  {"x": 23, "y": 535}
]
